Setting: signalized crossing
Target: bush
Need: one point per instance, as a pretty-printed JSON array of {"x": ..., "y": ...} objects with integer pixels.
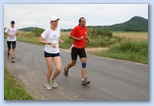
[
  {"x": 133, "y": 47},
  {"x": 37, "y": 31},
  {"x": 100, "y": 32},
  {"x": 135, "y": 51},
  {"x": 101, "y": 38}
]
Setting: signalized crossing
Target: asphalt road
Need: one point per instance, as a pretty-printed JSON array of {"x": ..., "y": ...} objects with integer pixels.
[{"x": 111, "y": 79}]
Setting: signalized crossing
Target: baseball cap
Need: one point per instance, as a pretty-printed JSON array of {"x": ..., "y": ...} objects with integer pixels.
[
  {"x": 12, "y": 22},
  {"x": 53, "y": 18}
]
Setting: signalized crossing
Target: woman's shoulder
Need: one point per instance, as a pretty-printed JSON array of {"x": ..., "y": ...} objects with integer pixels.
[
  {"x": 47, "y": 29},
  {"x": 58, "y": 28}
]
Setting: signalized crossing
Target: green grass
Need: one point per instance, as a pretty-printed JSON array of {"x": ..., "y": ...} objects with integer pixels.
[
  {"x": 134, "y": 51},
  {"x": 28, "y": 37},
  {"x": 13, "y": 89}
]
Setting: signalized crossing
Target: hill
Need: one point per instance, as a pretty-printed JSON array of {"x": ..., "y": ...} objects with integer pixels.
[
  {"x": 134, "y": 24},
  {"x": 31, "y": 29}
]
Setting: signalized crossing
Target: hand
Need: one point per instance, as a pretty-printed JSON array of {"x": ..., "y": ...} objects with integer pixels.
[
  {"x": 61, "y": 41},
  {"x": 81, "y": 37},
  {"x": 17, "y": 33},
  {"x": 11, "y": 35},
  {"x": 53, "y": 45},
  {"x": 89, "y": 40}
]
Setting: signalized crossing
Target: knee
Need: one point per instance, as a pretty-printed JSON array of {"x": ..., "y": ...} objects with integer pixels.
[
  {"x": 59, "y": 70},
  {"x": 50, "y": 70},
  {"x": 84, "y": 65},
  {"x": 73, "y": 63}
]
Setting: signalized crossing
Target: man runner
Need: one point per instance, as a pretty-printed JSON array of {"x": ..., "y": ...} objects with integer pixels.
[
  {"x": 11, "y": 33},
  {"x": 79, "y": 36}
]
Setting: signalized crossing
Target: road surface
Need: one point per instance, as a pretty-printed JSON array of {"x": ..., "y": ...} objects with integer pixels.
[{"x": 111, "y": 79}]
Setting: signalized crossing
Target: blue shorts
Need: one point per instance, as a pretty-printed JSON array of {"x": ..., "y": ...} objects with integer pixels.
[{"x": 50, "y": 55}]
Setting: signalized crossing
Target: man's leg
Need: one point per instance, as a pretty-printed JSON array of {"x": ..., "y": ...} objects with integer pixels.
[
  {"x": 74, "y": 54},
  {"x": 8, "y": 53},
  {"x": 71, "y": 64},
  {"x": 83, "y": 59},
  {"x": 83, "y": 69},
  {"x": 9, "y": 47},
  {"x": 68, "y": 67},
  {"x": 13, "y": 51}
]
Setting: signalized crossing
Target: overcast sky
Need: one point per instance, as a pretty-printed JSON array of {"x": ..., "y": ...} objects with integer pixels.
[{"x": 38, "y": 15}]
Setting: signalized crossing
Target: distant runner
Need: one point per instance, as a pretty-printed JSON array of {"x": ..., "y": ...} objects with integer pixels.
[
  {"x": 79, "y": 36},
  {"x": 11, "y": 33}
]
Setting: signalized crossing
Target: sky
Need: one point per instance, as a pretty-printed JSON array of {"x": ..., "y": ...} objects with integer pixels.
[{"x": 38, "y": 15}]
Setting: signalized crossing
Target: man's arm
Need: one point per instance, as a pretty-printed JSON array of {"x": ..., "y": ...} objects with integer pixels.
[
  {"x": 88, "y": 39},
  {"x": 75, "y": 38},
  {"x": 8, "y": 34},
  {"x": 17, "y": 33}
]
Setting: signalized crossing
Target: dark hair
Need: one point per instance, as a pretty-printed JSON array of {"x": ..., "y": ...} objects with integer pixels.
[
  {"x": 81, "y": 18},
  {"x": 12, "y": 22}
]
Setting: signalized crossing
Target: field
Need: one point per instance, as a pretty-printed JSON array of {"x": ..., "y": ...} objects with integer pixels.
[
  {"x": 131, "y": 46},
  {"x": 134, "y": 36}
]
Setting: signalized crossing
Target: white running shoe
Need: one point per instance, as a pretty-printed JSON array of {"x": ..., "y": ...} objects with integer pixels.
[
  {"x": 48, "y": 86},
  {"x": 54, "y": 83}
]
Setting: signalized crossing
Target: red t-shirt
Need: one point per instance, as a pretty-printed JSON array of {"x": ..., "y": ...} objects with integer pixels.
[{"x": 79, "y": 31}]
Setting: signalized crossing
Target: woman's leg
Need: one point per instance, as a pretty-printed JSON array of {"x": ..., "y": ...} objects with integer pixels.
[
  {"x": 57, "y": 61},
  {"x": 49, "y": 65}
]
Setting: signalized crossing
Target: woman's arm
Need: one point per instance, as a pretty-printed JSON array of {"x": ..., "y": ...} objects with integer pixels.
[
  {"x": 60, "y": 40},
  {"x": 43, "y": 41}
]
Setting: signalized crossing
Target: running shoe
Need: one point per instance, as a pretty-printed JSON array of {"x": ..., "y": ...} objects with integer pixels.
[
  {"x": 13, "y": 61},
  {"x": 65, "y": 72},
  {"x": 54, "y": 83},
  {"x": 85, "y": 81},
  {"x": 48, "y": 86}
]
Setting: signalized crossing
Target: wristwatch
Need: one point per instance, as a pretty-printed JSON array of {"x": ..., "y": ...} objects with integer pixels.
[{"x": 49, "y": 43}]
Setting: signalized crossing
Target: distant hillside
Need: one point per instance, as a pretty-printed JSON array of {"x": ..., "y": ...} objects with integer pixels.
[
  {"x": 134, "y": 24},
  {"x": 30, "y": 29}
]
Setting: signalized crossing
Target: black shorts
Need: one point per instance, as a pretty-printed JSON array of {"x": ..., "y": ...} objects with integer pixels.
[
  {"x": 75, "y": 52},
  {"x": 13, "y": 44},
  {"x": 46, "y": 54}
]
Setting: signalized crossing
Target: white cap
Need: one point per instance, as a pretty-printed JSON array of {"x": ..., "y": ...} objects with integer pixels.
[{"x": 54, "y": 18}]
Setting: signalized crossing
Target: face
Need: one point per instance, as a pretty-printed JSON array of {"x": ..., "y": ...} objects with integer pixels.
[
  {"x": 83, "y": 22},
  {"x": 12, "y": 25},
  {"x": 54, "y": 23}
]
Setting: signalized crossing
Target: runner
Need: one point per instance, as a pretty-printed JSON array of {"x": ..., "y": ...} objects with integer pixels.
[
  {"x": 79, "y": 36},
  {"x": 51, "y": 38},
  {"x": 11, "y": 33}
]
